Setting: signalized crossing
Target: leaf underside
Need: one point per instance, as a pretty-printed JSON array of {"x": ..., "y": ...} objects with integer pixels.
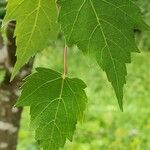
[
  {"x": 55, "y": 106},
  {"x": 105, "y": 30},
  {"x": 36, "y": 27},
  {"x": 100, "y": 28}
]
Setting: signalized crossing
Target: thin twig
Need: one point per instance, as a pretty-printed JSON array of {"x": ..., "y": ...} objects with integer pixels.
[{"x": 65, "y": 62}]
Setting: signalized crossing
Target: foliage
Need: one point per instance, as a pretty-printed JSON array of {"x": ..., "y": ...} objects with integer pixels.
[
  {"x": 100, "y": 28},
  {"x": 103, "y": 126},
  {"x": 55, "y": 106},
  {"x": 36, "y": 21},
  {"x": 2, "y": 9},
  {"x": 108, "y": 34}
]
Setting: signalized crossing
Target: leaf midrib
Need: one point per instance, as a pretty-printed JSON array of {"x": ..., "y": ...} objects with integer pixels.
[
  {"x": 33, "y": 29},
  {"x": 60, "y": 97},
  {"x": 105, "y": 39}
]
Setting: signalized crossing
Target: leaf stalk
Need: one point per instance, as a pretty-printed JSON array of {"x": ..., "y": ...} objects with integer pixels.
[{"x": 65, "y": 62}]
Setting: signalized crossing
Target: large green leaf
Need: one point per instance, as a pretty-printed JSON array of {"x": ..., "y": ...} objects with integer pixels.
[
  {"x": 105, "y": 29},
  {"x": 36, "y": 27},
  {"x": 55, "y": 106}
]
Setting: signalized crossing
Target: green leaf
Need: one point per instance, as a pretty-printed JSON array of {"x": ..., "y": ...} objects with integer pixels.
[
  {"x": 105, "y": 30},
  {"x": 55, "y": 106},
  {"x": 36, "y": 27},
  {"x": 2, "y": 9}
]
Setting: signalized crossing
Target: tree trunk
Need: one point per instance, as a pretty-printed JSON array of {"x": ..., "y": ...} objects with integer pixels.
[{"x": 9, "y": 92}]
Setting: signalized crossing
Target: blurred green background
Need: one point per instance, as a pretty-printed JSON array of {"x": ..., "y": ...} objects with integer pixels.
[{"x": 104, "y": 127}]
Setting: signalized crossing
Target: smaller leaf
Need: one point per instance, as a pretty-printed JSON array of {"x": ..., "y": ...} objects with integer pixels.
[{"x": 55, "y": 106}]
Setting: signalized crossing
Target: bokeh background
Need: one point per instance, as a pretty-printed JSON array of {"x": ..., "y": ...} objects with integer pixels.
[{"x": 104, "y": 127}]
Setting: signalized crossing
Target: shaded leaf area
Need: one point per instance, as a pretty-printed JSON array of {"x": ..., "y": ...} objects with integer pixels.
[
  {"x": 104, "y": 28},
  {"x": 2, "y": 9},
  {"x": 55, "y": 106},
  {"x": 143, "y": 37},
  {"x": 36, "y": 27}
]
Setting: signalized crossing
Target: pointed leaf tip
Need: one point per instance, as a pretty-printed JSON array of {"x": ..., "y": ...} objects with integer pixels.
[
  {"x": 39, "y": 22},
  {"x": 108, "y": 33}
]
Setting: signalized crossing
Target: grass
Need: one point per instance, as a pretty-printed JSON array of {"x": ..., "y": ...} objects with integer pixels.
[{"x": 105, "y": 127}]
